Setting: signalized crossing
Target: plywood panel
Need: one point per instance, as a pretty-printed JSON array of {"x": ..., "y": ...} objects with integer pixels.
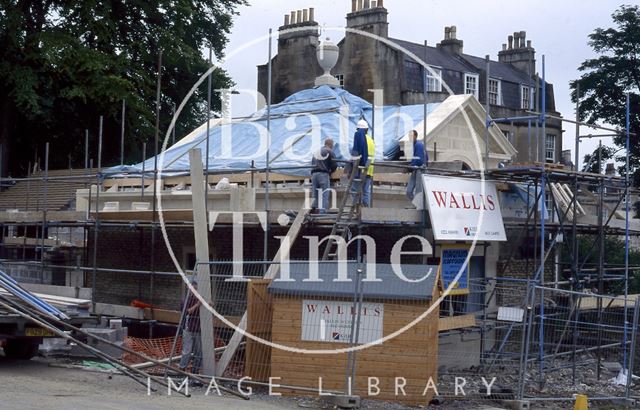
[
  {"x": 412, "y": 355},
  {"x": 456, "y": 322},
  {"x": 258, "y": 355}
]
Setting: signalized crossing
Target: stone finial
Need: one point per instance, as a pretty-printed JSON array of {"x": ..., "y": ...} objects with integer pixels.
[{"x": 327, "y": 54}]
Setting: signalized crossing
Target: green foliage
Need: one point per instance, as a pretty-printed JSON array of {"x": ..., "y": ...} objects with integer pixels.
[
  {"x": 588, "y": 254},
  {"x": 615, "y": 72},
  {"x": 65, "y": 63},
  {"x": 595, "y": 163}
]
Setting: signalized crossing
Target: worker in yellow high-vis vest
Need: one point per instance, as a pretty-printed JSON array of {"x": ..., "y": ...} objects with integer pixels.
[{"x": 367, "y": 190}]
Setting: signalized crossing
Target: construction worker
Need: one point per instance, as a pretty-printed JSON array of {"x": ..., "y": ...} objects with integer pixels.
[
  {"x": 191, "y": 343},
  {"x": 419, "y": 159},
  {"x": 367, "y": 190},
  {"x": 360, "y": 150},
  {"x": 323, "y": 164}
]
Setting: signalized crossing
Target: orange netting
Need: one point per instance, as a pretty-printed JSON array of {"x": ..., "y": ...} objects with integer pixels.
[{"x": 155, "y": 348}]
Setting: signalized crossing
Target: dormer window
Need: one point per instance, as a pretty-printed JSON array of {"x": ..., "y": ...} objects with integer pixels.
[
  {"x": 434, "y": 80},
  {"x": 495, "y": 92},
  {"x": 471, "y": 84}
]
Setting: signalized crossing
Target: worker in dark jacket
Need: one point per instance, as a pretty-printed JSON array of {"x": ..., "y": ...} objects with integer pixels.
[
  {"x": 191, "y": 343},
  {"x": 360, "y": 150},
  {"x": 323, "y": 164},
  {"x": 419, "y": 159}
]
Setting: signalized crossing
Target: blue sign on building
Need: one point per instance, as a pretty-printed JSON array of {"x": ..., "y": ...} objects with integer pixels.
[{"x": 453, "y": 259}]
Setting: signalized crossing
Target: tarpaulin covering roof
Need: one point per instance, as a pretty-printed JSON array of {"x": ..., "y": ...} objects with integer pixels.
[{"x": 299, "y": 125}]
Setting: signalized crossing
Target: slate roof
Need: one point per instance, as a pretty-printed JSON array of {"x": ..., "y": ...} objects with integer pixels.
[
  {"x": 502, "y": 71},
  {"x": 435, "y": 57},
  {"x": 389, "y": 286}
]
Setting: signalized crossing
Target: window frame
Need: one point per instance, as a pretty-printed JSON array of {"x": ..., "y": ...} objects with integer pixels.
[
  {"x": 525, "y": 104},
  {"x": 498, "y": 92},
  {"x": 547, "y": 138},
  {"x": 476, "y": 77},
  {"x": 437, "y": 79}
]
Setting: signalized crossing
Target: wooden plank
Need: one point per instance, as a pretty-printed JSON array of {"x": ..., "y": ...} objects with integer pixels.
[
  {"x": 202, "y": 255},
  {"x": 259, "y": 309},
  {"x": 456, "y": 322},
  {"x": 118, "y": 311}
]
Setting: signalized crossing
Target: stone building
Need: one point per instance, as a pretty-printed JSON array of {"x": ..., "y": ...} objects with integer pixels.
[{"x": 395, "y": 66}]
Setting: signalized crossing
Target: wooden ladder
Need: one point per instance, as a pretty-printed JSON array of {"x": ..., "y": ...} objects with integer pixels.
[{"x": 348, "y": 211}]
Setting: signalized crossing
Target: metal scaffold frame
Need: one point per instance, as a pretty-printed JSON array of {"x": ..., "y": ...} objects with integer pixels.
[{"x": 547, "y": 229}]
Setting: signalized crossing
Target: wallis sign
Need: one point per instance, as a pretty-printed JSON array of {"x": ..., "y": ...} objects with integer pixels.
[{"x": 463, "y": 209}]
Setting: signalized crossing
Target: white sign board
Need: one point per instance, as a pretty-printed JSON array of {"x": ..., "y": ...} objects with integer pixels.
[
  {"x": 330, "y": 321},
  {"x": 463, "y": 209},
  {"x": 510, "y": 314}
]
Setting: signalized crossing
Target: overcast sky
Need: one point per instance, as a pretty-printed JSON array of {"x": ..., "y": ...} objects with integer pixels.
[{"x": 557, "y": 29}]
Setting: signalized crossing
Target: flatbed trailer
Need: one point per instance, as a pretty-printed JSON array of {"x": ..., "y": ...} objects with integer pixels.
[{"x": 20, "y": 338}]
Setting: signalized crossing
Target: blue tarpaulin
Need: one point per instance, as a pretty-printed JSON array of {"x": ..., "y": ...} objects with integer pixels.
[{"x": 299, "y": 125}]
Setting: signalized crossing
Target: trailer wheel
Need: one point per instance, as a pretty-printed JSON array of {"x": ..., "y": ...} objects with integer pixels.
[{"x": 20, "y": 349}]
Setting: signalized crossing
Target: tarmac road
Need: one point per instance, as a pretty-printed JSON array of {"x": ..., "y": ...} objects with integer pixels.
[{"x": 33, "y": 384}]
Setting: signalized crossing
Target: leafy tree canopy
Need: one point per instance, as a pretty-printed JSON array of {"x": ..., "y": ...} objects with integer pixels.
[
  {"x": 607, "y": 79},
  {"x": 64, "y": 63}
]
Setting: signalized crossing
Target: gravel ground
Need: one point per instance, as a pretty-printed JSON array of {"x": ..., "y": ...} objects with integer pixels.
[{"x": 35, "y": 384}]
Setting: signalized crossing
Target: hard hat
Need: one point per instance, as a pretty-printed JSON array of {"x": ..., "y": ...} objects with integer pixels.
[{"x": 362, "y": 124}]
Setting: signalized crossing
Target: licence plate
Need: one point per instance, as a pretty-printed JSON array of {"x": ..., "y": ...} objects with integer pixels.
[{"x": 38, "y": 331}]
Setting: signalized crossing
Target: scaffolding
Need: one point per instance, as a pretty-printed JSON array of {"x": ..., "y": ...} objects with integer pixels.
[{"x": 552, "y": 227}]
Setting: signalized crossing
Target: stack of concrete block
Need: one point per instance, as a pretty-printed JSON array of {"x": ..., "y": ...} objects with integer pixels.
[{"x": 114, "y": 333}]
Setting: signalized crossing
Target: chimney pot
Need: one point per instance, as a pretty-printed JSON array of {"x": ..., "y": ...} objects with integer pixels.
[
  {"x": 510, "y": 42},
  {"x": 523, "y": 37},
  {"x": 453, "y": 32},
  {"x": 366, "y": 4},
  {"x": 504, "y": 46},
  {"x": 374, "y": 4},
  {"x": 292, "y": 19},
  {"x": 528, "y": 43},
  {"x": 286, "y": 19},
  {"x": 361, "y": 5},
  {"x": 354, "y": 6},
  {"x": 299, "y": 16},
  {"x": 305, "y": 15},
  {"x": 312, "y": 14},
  {"x": 447, "y": 33},
  {"x": 380, "y": 3}
]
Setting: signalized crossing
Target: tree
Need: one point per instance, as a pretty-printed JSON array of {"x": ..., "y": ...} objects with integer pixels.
[
  {"x": 595, "y": 161},
  {"x": 607, "y": 78},
  {"x": 65, "y": 63}
]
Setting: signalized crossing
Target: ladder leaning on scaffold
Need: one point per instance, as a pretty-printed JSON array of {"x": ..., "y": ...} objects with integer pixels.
[{"x": 348, "y": 210}]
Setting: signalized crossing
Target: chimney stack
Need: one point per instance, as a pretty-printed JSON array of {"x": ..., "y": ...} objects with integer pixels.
[
  {"x": 610, "y": 170},
  {"x": 519, "y": 53},
  {"x": 451, "y": 43},
  {"x": 304, "y": 23},
  {"x": 369, "y": 16}
]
